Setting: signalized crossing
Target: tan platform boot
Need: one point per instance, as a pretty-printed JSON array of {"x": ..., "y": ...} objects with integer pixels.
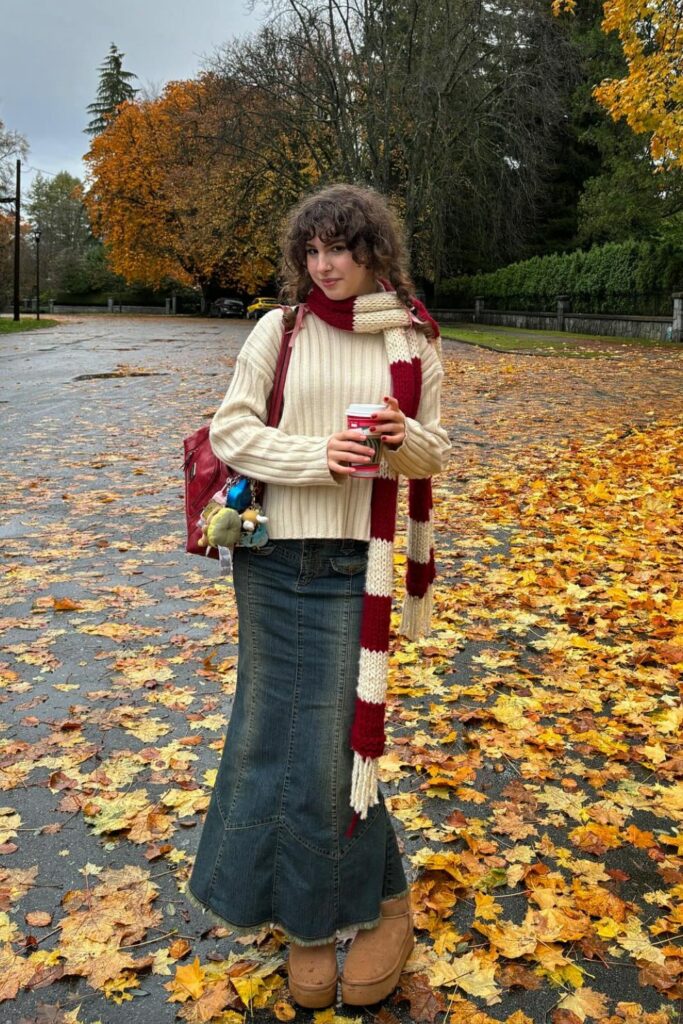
[
  {"x": 377, "y": 955},
  {"x": 312, "y": 972}
]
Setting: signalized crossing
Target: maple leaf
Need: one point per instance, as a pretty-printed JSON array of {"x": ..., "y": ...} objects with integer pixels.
[
  {"x": 9, "y": 823},
  {"x": 633, "y": 938},
  {"x": 251, "y": 990},
  {"x": 446, "y": 939},
  {"x": 559, "y": 800},
  {"x": 330, "y": 1016},
  {"x": 15, "y": 883},
  {"x": 676, "y": 841},
  {"x": 115, "y": 812},
  {"x": 517, "y": 976},
  {"x": 425, "y": 1003},
  {"x": 209, "y": 1004},
  {"x": 147, "y": 729},
  {"x": 117, "y": 989},
  {"x": 596, "y": 839},
  {"x": 661, "y": 978},
  {"x": 162, "y": 962},
  {"x": 465, "y": 1012},
  {"x": 111, "y": 971},
  {"x": 188, "y": 983},
  {"x": 185, "y": 802},
  {"x": 509, "y": 939},
  {"x": 475, "y": 974},
  {"x": 213, "y": 723},
  {"x": 564, "y": 1017},
  {"x": 585, "y": 1003},
  {"x": 9, "y": 931}
]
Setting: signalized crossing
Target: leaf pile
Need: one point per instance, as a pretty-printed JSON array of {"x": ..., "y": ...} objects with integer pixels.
[{"x": 535, "y": 766}]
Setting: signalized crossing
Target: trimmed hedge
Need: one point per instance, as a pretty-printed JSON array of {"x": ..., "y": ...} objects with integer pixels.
[
  {"x": 635, "y": 277},
  {"x": 127, "y": 296}
]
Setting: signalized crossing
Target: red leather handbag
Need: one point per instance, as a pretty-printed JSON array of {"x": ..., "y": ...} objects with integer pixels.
[{"x": 205, "y": 474}]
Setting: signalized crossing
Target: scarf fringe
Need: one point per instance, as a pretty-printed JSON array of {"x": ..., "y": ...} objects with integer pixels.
[
  {"x": 364, "y": 788},
  {"x": 416, "y": 620}
]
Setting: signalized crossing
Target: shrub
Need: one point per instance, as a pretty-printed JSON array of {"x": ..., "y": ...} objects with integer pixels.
[{"x": 633, "y": 277}]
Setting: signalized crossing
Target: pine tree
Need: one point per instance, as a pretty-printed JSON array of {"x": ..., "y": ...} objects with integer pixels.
[{"x": 114, "y": 88}]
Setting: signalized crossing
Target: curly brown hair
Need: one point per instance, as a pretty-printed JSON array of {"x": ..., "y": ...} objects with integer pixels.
[{"x": 359, "y": 215}]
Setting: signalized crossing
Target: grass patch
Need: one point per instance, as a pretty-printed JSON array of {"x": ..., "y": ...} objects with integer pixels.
[
  {"x": 548, "y": 343},
  {"x": 27, "y": 323}
]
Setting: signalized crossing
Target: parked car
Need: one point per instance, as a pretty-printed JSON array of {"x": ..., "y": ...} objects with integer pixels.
[
  {"x": 227, "y": 307},
  {"x": 260, "y": 306}
]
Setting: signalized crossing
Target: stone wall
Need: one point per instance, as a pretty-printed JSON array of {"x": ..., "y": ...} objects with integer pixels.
[{"x": 654, "y": 328}]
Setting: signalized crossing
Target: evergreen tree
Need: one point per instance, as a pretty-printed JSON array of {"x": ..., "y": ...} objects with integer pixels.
[{"x": 114, "y": 89}]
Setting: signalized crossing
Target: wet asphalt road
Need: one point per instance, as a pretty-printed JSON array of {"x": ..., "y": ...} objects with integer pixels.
[{"x": 78, "y": 430}]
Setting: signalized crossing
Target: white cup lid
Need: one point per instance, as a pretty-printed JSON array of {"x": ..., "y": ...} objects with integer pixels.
[{"x": 359, "y": 409}]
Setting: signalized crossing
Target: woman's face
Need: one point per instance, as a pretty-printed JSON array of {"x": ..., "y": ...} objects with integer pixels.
[{"x": 332, "y": 267}]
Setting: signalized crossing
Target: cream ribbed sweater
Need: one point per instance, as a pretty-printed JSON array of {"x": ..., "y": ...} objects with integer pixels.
[{"x": 329, "y": 369}]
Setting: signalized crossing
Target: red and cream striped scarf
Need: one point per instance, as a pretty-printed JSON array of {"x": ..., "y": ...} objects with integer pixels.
[{"x": 383, "y": 311}]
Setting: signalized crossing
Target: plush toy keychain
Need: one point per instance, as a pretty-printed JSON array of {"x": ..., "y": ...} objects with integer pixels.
[{"x": 233, "y": 517}]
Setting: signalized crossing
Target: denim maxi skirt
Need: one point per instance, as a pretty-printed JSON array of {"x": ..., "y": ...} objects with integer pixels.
[{"x": 273, "y": 848}]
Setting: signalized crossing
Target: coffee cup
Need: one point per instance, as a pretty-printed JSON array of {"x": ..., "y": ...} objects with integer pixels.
[{"x": 359, "y": 417}]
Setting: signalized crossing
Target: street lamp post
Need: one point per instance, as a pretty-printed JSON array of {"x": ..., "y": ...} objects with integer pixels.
[
  {"x": 36, "y": 235},
  {"x": 16, "y": 199}
]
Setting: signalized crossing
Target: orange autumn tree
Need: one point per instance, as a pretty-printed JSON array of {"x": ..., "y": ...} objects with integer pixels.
[
  {"x": 172, "y": 198},
  {"x": 650, "y": 95}
]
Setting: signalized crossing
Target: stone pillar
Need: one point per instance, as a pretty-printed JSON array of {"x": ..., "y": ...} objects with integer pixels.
[
  {"x": 110, "y": 305},
  {"x": 174, "y": 304},
  {"x": 479, "y": 308},
  {"x": 168, "y": 306},
  {"x": 563, "y": 307},
  {"x": 677, "y": 325},
  {"x": 51, "y": 305}
]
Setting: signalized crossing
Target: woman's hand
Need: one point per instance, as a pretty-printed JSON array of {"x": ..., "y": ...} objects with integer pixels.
[
  {"x": 391, "y": 423},
  {"x": 345, "y": 447}
]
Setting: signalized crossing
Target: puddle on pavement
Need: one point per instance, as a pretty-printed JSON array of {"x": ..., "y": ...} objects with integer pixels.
[{"x": 120, "y": 376}]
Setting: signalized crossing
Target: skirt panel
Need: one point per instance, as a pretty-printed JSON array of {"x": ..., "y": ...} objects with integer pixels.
[{"x": 273, "y": 848}]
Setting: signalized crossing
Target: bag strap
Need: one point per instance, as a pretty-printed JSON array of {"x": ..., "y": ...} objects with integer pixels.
[{"x": 276, "y": 399}]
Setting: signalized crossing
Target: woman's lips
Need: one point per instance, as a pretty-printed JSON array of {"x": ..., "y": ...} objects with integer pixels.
[{"x": 329, "y": 283}]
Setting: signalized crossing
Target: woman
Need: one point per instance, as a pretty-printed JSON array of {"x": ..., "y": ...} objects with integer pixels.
[{"x": 296, "y": 834}]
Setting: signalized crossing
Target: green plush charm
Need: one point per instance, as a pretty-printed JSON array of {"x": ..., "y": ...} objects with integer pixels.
[{"x": 224, "y": 528}]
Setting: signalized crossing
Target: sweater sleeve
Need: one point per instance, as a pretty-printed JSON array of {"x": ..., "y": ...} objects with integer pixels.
[
  {"x": 238, "y": 434},
  {"x": 426, "y": 446}
]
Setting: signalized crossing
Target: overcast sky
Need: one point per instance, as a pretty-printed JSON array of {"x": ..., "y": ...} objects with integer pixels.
[{"x": 50, "y": 51}]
